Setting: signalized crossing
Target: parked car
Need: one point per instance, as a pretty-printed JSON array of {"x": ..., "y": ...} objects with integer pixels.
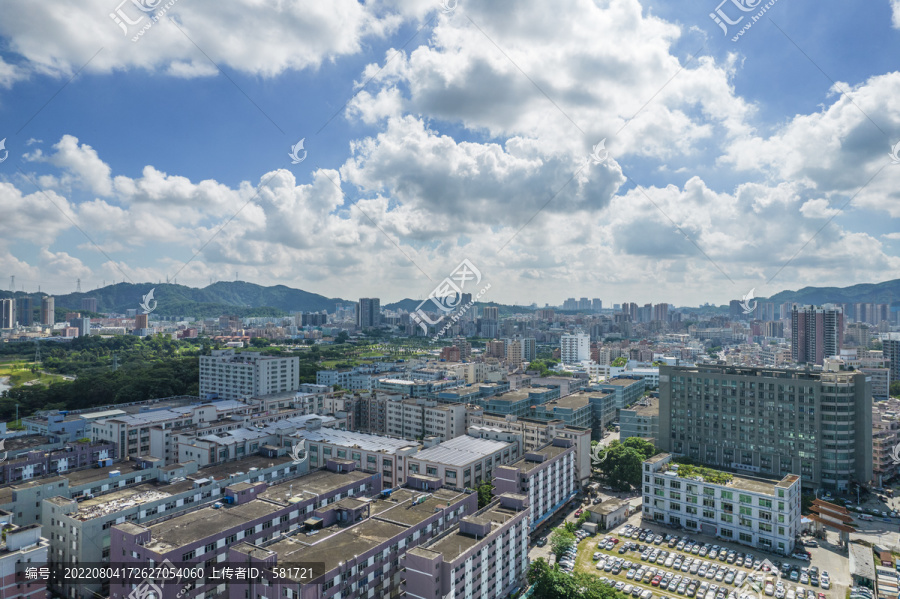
[{"x": 810, "y": 543}]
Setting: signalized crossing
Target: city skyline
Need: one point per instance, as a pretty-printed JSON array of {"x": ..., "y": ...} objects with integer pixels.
[{"x": 368, "y": 158}]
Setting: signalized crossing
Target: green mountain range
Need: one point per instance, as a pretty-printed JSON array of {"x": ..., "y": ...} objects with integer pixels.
[{"x": 248, "y": 299}]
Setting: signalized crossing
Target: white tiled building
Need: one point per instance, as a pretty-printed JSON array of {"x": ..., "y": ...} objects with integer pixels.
[
  {"x": 233, "y": 375},
  {"x": 546, "y": 476},
  {"x": 760, "y": 513}
]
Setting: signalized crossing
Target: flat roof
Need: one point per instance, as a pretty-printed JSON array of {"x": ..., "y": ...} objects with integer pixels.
[
  {"x": 335, "y": 548},
  {"x": 400, "y": 509},
  {"x": 622, "y": 382},
  {"x": 454, "y": 544},
  {"x": 310, "y": 485},
  {"x": 205, "y": 522},
  {"x": 609, "y": 506},
  {"x": 460, "y": 451},
  {"x": 574, "y": 401},
  {"x": 652, "y": 409},
  {"x": 550, "y": 451},
  {"x": 355, "y": 440}
]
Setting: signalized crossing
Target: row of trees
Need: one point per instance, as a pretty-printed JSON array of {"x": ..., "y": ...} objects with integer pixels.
[{"x": 551, "y": 583}]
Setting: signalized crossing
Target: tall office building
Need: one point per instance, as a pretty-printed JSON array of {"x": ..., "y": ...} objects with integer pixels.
[
  {"x": 574, "y": 348},
  {"x": 816, "y": 333},
  {"x": 48, "y": 310},
  {"x": 891, "y": 348},
  {"x": 368, "y": 313},
  {"x": 89, "y": 304},
  {"x": 7, "y": 313},
  {"x": 25, "y": 311},
  {"x": 597, "y": 304},
  {"x": 770, "y": 421}
]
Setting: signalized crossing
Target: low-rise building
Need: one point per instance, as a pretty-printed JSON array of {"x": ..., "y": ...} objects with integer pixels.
[
  {"x": 79, "y": 526},
  {"x": 482, "y": 557},
  {"x": 370, "y": 453},
  {"x": 609, "y": 514},
  {"x": 463, "y": 462},
  {"x": 574, "y": 410},
  {"x": 546, "y": 476},
  {"x": 21, "y": 545},
  {"x": 752, "y": 511},
  {"x": 537, "y": 433},
  {"x": 251, "y": 512},
  {"x": 361, "y": 556},
  {"x": 627, "y": 389}
]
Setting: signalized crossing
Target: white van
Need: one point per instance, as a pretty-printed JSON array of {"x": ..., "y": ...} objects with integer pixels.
[{"x": 866, "y": 517}]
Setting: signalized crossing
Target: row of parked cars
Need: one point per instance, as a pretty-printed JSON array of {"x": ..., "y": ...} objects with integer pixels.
[{"x": 567, "y": 560}]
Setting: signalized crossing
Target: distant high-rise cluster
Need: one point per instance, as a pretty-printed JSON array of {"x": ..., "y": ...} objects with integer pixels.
[
  {"x": 816, "y": 333},
  {"x": 368, "y": 313},
  {"x": 48, "y": 311}
]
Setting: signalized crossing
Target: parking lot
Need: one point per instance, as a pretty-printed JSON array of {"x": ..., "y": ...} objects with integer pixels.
[{"x": 667, "y": 571}]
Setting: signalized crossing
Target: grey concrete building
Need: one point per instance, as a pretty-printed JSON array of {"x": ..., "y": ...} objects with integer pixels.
[
  {"x": 640, "y": 420},
  {"x": 770, "y": 421}
]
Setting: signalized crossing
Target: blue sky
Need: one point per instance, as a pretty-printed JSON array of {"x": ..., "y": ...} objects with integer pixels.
[{"x": 736, "y": 159}]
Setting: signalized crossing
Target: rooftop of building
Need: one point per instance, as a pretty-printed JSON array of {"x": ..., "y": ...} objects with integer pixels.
[
  {"x": 607, "y": 507},
  {"x": 460, "y": 451},
  {"x": 408, "y": 507},
  {"x": 522, "y": 394},
  {"x": 206, "y": 522},
  {"x": 763, "y": 371},
  {"x": 621, "y": 382},
  {"x": 315, "y": 483},
  {"x": 26, "y": 442},
  {"x": 569, "y": 402},
  {"x": 729, "y": 480},
  {"x": 123, "y": 499},
  {"x": 332, "y": 550},
  {"x": 454, "y": 543},
  {"x": 550, "y": 451},
  {"x": 356, "y": 440},
  {"x": 646, "y": 408}
]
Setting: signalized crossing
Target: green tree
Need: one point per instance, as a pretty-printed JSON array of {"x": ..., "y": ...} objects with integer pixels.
[
  {"x": 647, "y": 449},
  {"x": 485, "y": 495},
  {"x": 260, "y": 342},
  {"x": 621, "y": 465},
  {"x": 341, "y": 338},
  {"x": 895, "y": 389},
  {"x": 561, "y": 540},
  {"x": 619, "y": 362}
]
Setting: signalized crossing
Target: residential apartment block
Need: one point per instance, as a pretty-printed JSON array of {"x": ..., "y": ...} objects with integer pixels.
[
  {"x": 21, "y": 545},
  {"x": 770, "y": 421},
  {"x": 484, "y": 556},
  {"x": 416, "y": 418},
  {"x": 537, "y": 433},
  {"x": 764, "y": 514},
  {"x": 229, "y": 375},
  {"x": 250, "y": 513},
  {"x": 78, "y": 527},
  {"x": 546, "y": 476}
]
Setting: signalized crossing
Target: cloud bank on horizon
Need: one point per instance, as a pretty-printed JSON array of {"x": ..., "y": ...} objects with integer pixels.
[{"x": 466, "y": 134}]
